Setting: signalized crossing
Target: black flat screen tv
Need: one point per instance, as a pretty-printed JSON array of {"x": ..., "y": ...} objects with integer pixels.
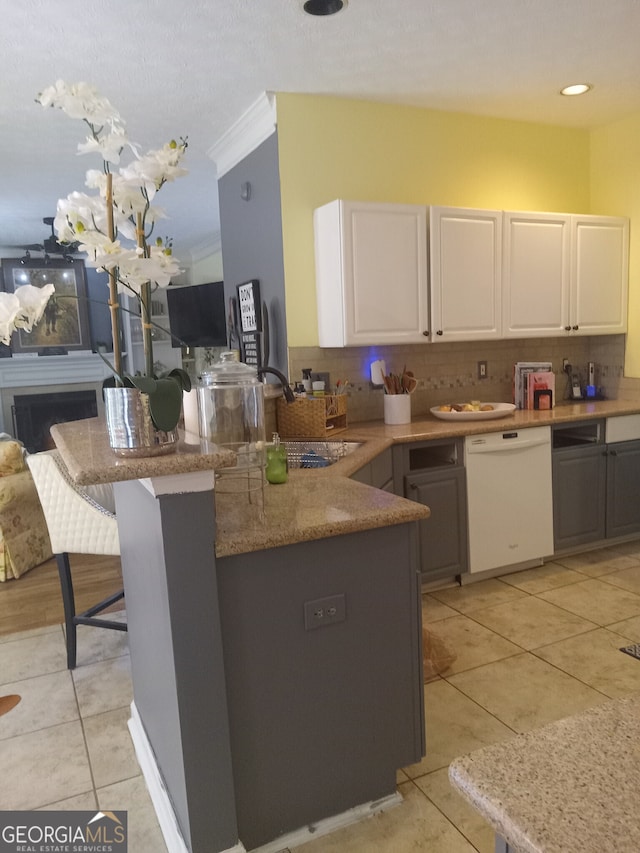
[{"x": 197, "y": 315}]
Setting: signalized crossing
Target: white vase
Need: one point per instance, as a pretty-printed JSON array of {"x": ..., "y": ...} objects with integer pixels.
[{"x": 397, "y": 408}]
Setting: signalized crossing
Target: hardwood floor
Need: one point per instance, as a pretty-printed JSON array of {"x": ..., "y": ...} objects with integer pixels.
[{"x": 34, "y": 600}]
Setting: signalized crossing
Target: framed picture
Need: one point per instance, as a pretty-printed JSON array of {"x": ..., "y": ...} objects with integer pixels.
[
  {"x": 249, "y": 304},
  {"x": 65, "y": 324}
]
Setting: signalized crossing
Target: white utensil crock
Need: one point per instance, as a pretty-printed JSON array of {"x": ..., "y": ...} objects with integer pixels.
[{"x": 397, "y": 408}]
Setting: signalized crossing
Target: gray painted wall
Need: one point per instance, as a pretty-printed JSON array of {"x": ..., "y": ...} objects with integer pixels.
[
  {"x": 251, "y": 233},
  {"x": 168, "y": 566}
]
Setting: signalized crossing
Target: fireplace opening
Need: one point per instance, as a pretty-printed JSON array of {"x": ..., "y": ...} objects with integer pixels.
[{"x": 35, "y": 414}]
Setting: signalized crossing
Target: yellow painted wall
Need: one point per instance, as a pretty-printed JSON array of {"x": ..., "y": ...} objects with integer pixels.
[
  {"x": 615, "y": 190},
  {"x": 340, "y": 148}
]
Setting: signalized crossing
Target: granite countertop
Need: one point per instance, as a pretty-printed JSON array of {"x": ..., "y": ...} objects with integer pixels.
[
  {"x": 376, "y": 436},
  {"x": 85, "y": 450},
  {"x": 569, "y": 787},
  {"x": 304, "y": 509},
  {"x": 314, "y": 503}
]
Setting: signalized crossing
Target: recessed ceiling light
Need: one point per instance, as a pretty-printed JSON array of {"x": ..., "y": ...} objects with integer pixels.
[
  {"x": 324, "y": 7},
  {"x": 576, "y": 89}
]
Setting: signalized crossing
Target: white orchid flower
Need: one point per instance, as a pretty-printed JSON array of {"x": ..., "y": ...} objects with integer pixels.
[
  {"x": 157, "y": 167},
  {"x": 100, "y": 250},
  {"x": 9, "y": 310},
  {"x": 134, "y": 271},
  {"x": 76, "y": 213},
  {"x": 108, "y": 145},
  {"x": 32, "y": 301},
  {"x": 98, "y": 228},
  {"x": 79, "y": 100}
]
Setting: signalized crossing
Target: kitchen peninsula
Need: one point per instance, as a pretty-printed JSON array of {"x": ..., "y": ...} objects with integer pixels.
[{"x": 245, "y": 702}]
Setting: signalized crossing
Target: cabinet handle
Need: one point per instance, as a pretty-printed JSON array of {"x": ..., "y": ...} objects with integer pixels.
[
  {"x": 567, "y": 328},
  {"x": 413, "y": 486},
  {"x": 426, "y": 333},
  {"x": 575, "y": 328},
  {"x": 439, "y": 332},
  {"x": 613, "y": 452}
]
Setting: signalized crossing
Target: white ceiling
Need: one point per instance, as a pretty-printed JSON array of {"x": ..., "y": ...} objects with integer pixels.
[{"x": 193, "y": 68}]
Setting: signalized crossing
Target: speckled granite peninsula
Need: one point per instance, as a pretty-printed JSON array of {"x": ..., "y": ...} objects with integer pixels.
[
  {"x": 306, "y": 508},
  {"x": 569, "y": 787}
]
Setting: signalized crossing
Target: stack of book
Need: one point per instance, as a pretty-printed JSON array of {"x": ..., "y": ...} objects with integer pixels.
[{"x": 533, "y": 385}]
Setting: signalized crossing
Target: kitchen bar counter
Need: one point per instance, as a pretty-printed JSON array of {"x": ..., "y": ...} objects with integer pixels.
[
  {"x": 85, "y": 450},
  {"x": 569, "y": 787},
  {"x": 305, "y": 509},
  {"x": 302, "y": 510}
]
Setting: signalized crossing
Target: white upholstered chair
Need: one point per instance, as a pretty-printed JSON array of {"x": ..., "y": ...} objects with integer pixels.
[{"x": 81, "y": 520}]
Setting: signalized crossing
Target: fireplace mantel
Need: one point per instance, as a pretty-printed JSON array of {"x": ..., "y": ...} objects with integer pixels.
[
  {"x": 44, "y": 374},
  {"x": 25, "y": 371}
]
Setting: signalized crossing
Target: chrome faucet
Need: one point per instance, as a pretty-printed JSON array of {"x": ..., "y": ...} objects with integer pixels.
[{"x": 286, "y": 388}]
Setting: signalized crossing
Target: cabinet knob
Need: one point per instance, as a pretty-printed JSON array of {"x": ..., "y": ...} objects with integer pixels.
[
  {"x": 575, "y": 328},
  {"x": 567, "y": 328},
  {"x": 413, "y": 487},
  {"x": 439, "y": 332},
  {"x": 613, "y": 452},
  {"x": 426, "y": 333}
]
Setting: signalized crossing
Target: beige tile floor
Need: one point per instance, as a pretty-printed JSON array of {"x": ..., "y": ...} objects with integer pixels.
[{"x": 531, "y": 647}]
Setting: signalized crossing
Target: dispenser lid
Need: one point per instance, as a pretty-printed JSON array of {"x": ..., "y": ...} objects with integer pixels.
[{"x": 229, "y": 371}]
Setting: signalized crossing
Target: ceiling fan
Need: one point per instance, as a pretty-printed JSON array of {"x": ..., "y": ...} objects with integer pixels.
[{"x": 50, "y": 245}]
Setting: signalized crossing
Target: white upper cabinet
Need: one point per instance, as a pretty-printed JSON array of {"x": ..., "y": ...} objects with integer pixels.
[
  {"x": 465, "y": 281},
  {"x": 492, "y": 274},
  {"x": 371, "y": 273},
  {"x": 537, "y": 270},
  {"x": 599, "y": 275},
  {"x": 564, "y": 274}
]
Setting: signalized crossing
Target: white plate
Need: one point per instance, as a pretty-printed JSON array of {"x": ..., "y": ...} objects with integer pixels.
[{"x": 500, "y": 410}]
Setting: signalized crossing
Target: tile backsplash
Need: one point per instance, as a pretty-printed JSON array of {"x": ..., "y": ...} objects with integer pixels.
[{"x": 449, "y": 372}]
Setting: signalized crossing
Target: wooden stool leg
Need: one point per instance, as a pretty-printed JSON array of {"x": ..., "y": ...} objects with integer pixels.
[{"x": 68, "y": 600}]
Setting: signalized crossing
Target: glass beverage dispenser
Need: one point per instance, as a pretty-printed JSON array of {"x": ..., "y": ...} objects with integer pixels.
[{"x": 231, "y": 415}]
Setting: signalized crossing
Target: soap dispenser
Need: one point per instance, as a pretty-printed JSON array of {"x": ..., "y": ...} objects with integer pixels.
[{"x": 277, "y": 467}]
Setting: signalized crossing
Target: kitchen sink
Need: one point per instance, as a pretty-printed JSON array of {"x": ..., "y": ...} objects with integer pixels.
[{"x": 318, "y": 454}]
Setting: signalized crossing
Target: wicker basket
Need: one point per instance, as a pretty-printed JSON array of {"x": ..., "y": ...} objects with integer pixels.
[{"x": 312, "y": 417}]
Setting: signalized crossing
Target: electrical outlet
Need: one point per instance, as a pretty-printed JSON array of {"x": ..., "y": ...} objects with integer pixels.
[
  {"x": 565, "y": 364},
  {"x": 324, "y": 611},
  {"x": 482, "y": 370}
]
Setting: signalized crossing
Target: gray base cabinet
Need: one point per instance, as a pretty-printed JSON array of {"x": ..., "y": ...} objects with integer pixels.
[
  {"x": 378, "y": 472},
  {"x": 443, "y": 538},
  {"x": 432, "y": 473},
  {"x": 623, "y": 488},
  {"x": 579, "y": 480},
  {"x": 595, "y": 486},
  {"x": 321, "y": 717}
]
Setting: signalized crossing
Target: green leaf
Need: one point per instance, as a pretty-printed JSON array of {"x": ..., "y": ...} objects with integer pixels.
[
  {"x": 146, "y": 384},
  {"x": 181, "y": 377},
  {"x": 165, "y": 403}
]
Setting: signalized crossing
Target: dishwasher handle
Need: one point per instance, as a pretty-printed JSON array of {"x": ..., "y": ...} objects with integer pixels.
[{"x": 519, "y": 444}]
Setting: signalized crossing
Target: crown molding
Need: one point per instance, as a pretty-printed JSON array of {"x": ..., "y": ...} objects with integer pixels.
[
  {"x": 208, "y": 247},
  {"x": 252, "y": 128}
]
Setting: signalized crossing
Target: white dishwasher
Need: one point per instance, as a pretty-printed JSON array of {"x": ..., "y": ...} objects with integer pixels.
[{"x": 509, "y": 497}]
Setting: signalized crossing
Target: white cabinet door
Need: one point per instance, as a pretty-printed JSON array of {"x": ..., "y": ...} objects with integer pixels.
[
  {"x": 371, "y": 273},
  {"x": 465, "y": 281},
  {"x": 536, "y": 273},
  {"x": 599, "y": 275}
]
